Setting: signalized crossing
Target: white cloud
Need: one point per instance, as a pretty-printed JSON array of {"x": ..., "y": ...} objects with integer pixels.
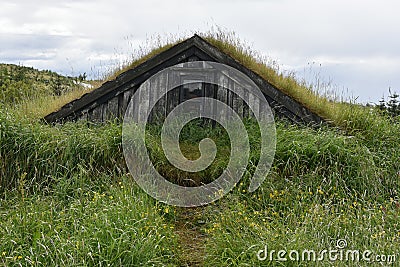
[{"x": 355, "y": 41}]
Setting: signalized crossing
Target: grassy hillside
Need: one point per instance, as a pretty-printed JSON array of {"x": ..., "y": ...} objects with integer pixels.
[
  {"x": 18, "y": 83},
  {"x": 36, "y": 93},
  {"x": 67, "y": 199}
]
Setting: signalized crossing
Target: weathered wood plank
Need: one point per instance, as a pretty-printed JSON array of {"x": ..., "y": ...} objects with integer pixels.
[
  {"x": 83, "y": 116},
  {"x": 96, "y": 114},
  {"x": 127, "y": 95},
  {"x": 111, "y": 109},
  {"x": 222, "y": 95},
  {"x": 121, "y": 106},
  {"x": 174, "y": 94}
]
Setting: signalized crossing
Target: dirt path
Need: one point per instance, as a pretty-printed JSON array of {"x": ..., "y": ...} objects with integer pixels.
[{"x": 192, "y": 240}]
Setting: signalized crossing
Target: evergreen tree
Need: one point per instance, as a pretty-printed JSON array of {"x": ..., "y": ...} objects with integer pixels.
[
  {"x": 382, "y": 104},
  {"x": 393, "y": 105}
]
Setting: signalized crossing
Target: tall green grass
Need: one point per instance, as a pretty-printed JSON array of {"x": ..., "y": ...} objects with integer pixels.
[
  {"x": 66, "y": 199},
  {"x": 112, "y": 224},
  {"x": 324, "y": 185},
  {"x": 294, "y": 218},
  {"x": 36, "y": 155}
]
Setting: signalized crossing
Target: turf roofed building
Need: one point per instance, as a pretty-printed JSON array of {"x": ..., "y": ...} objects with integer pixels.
[{"x": 110, "y": 100}]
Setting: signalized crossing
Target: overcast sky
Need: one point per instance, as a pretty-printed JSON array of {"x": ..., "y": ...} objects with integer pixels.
[{"x": 353, "y": 45}]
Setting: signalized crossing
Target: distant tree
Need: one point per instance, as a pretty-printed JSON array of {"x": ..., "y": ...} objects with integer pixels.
[
  {"x": 382, "y": 104},
  {"x": 56, "y": 85},
  {"x": 82, "y": 77},
  {"x": 19, "y": 74},
  {"x": 392, "y": 105}
]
